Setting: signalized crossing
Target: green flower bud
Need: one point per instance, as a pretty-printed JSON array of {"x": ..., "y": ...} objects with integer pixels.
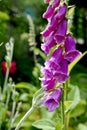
[{"x": 15, "y": 96}]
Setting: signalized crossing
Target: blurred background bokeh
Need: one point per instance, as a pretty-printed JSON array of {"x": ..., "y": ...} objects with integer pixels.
[
  {"x": 14, "y": 23},
  {"x": 27, "y": 41}
]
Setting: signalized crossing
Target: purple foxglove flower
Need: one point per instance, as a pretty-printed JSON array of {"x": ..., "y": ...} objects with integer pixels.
[
  {"x": 61, "y": 31},
  {"x": 57, "y": 54},
  {"x": 54, "y": 62},
  {"x": 48, "y": 44},
  {"x": 51, "y": 84},
  {"x": 61, "y": 12},
  {"x": 47, "y": 31},
  {"x": 56, "y": 3},
  {"x": 54, "y": 22},
  {"x": 49, "y": 12},
  {"x": 53, "y": 99},
  {"x": 58, "y": 17},
  {"x": 47, "y": 72},
  {"x": 61, "y": 75},
  {"x": 70, "y": 49},
  {"x": 48, "y": 83}
]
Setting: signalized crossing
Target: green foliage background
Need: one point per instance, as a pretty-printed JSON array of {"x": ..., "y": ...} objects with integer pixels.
[{"x": 13, "y": 23}]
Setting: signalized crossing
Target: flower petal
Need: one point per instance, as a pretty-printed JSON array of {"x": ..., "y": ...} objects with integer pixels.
[
  {"x": 70, "y": 49},
  {"x": 72, "y": 55},
  {"x": 49, "y": 12},
  {"x": 48, "y": 44},
  {"x": 56, "y": 3},
  {"x": 61, "y": 12},
  {"x": 53, "y": 99},
  {"x": 61, "y": 31}
]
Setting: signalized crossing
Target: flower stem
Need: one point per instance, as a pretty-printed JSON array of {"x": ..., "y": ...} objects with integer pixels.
[
  {"x": 8, "y": 98},
  {"x": 6, "y": 79},
  {"x": 12, "y": 114},
  {"x": 8, "y": 69},
  {"x": 66, "y": 98},
  {"x": 65, "y": 90},
  {"x": 62, "y": 113},
  {"x": 24, "y": 117},
  {"x": 65, "y": 118}
]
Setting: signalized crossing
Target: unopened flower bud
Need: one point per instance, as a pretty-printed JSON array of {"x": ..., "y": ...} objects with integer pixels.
[{"x": 15, "y": 96}]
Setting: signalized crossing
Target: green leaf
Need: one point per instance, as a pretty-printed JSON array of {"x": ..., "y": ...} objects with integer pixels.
[
  {"x": 59, "y": 125},
  {"x": 71, "y": 65},
  {"x": 2, "y": 112},
  {"x": 4, "y": 16},
  {"x": 70, "y": 14},
  {"x": 25, "y": 85},
  {"x": 79, "y": 109},
  {"x": 70, "y": 10},
  {"x": 45, "y": 124},
  {"x": 74, "y": 97},
  {"x": 82, "y": 127},
  {"x": 39, "y": 52},
  {"x": 45, "y": 113},
  {"x": 67, "y": 104},
  {"x": 24, "y": 97}
]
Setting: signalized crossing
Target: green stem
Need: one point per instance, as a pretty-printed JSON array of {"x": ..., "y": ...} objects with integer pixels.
[
  {"x": 24, "y": 117},
  {"x": 7, "y": 72},
  {"x": 65, "y": 98},
  {"x": 65, "y": 90},
  {"x": 12, "y": 114},
  {"x": 67, "y": 120},
  {"x": 7, "y": 100},
  {"x": 6, "y": 79},
  {"x": 15, "y": 116},
  {"x": 63, "y": 113}
]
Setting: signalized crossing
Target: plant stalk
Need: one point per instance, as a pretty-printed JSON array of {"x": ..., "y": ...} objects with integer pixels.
[
  {"x": 24, "y": 117},
  {"x": 12, "y": 114},
  {"x": 6, "y": 79},
  {"x": 63, "y": 113}
]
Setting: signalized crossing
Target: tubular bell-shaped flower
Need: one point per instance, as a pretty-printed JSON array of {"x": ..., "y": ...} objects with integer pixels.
[
  {"x": 47, "y": 81},
  {"x": 70, "y": 49},
  {"x": 49, "y": 12},
  {"x": 61, "y": 75},
  {"x": 61, "y": 12},
  {"x": 58, "y": 16},
  {"x": 49, "y": 43},
  {"x": 47, "y": 31},
  {"x": 54, "y": 62},
  {"x": 47, "y": 72},
  {"x": 61, "y": 31},
  {"x": 56, "y": 3},
  {"x": 56, "y": 66},
  {"x": 53, "y": 99}
]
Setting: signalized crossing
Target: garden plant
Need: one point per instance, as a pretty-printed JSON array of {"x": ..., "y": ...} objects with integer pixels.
[{"x": 57, "y": 99}]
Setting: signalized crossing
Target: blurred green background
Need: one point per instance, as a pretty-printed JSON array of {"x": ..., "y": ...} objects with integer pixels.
[
  {"x": 13, "y": 23},
  {"x": 29, "y": 57}
]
